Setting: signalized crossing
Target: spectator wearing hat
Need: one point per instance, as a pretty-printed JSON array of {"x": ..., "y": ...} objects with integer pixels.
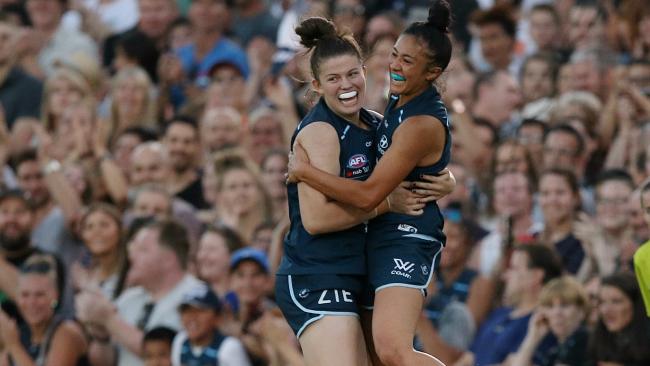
[
  {"x": 200, "y": 342},
  {"x": 250, "y": 280},
  {"x": 208, "y": 48},
  {"x": 460, "y": 296}
]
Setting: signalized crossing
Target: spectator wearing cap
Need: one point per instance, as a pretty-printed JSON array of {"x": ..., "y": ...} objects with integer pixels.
[
  {"x": 461, "y": 298},
  {"x": 14, "y": 82},
  {"x": 209, "y": 47},
  {"x": 227, "y": 86},
  {"x": 158, "y": 256},
  {"x": 250, "y": 280},
  {"x": 201, "y": 342}
]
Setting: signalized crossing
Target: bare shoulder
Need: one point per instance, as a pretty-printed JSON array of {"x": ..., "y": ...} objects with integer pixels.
[{"x": 317, "y": 133}]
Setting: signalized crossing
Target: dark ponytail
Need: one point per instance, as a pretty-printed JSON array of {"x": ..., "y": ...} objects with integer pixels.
[
  {"x": 435, "y": 33},
  {"x": 321, "y": 36}
]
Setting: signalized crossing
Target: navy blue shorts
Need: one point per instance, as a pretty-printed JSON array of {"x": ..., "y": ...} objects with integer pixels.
[
  {"x": 408, "y": 262},
  {"x": 305, "y": 299}
]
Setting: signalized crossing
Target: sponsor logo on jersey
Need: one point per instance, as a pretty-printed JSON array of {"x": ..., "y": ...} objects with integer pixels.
[
  {"x": 357, "y": 161},
  {"x": 357, "y": 166},
  {"x": 383, "y": 142},
  {"x": 407, "y": 228}
]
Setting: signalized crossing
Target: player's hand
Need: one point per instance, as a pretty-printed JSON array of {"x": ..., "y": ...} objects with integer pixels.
[
  {"x": 298, "y": 160},
  {"x": 403, "y": 200},
  {"x": 434, "y": 187}
]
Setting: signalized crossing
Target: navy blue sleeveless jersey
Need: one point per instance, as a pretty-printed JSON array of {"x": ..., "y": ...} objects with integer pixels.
[
  {"x": 340, "y": 252},
  {"x": 394, "y": 226}
]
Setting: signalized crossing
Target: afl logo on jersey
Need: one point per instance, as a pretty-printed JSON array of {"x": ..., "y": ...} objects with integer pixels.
[{"x": 357, "y": 161}]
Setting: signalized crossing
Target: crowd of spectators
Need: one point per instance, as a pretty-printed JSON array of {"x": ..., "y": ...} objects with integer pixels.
[{"x": 143, "y": 146}]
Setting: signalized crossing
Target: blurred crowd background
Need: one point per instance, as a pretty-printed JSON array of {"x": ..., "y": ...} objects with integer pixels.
[{"x": 143, "y": 146}]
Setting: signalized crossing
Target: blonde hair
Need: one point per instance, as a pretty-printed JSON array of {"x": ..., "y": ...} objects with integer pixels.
[
  {"x": 233, "y": 159},
  {"x": 567, "y": 290},
  {"x": 147, "y": 115},
  {"x": 79, "y": 83}
]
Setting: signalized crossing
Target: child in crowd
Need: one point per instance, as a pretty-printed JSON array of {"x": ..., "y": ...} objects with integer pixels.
[
  {"x": 157, "y": 346},
  {"x": 200, "y": 343}
]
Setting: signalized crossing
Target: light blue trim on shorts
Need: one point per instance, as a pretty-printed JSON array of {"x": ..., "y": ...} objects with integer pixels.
[
  {"x": 421, "y": 288},
  {"x": 321, "y": 313},
  {"x": 420, "y": 236}
]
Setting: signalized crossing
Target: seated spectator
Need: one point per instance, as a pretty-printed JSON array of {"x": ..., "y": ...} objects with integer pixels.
[
  {"x": 220, "y": 128},
  {"x": 607, "y": 238},
  {"x": 158, "y": 257},
  {"x": 265, "y": 132},
  {"x": 130, "y": 102},
  {"x": 181, "y": 140},
  {"x": 559, "y": 198},
  {"x": 15, "y": 84},
  {"x": 213, "y": 258},
  {"x": 274, "y": 166},
  {"x": 101, "y": 232},
  {"x": 537, "y": 77},
  {"x": 642, "y": 256},
  {"x": 621, "y": 334},
  {"x": 157, "y": 346},
  {"x": 530, "y": 133},
  {"x": 250, "y": 280},
  {"x": 461, "y": 297},
  {"x": 530, "y": 267},
  {"x": 55, "y": 41},
  {"x": 16, "y": 223},
  {"x": 557, "y": 332},
  {"x": 201, "y": 342},
  {"x": 45, "y": 337},
  {"x": 242, "y": 201}
]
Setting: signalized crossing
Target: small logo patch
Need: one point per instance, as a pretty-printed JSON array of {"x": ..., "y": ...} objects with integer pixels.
[
  {"x": 407, "y": 228},
  {"x": 383, "y": 142},
  {"x": 402, "y": 268},
  {"x": 425, "y": 269},
  {"x": 303, "y": 293},
  {"x": 357, "y": 161}
]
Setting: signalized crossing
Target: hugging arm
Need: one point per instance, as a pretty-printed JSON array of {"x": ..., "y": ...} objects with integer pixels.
[{"x": 408, "y": 148}]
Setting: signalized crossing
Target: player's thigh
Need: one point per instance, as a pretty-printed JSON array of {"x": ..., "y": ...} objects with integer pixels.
[{"x": 334, "y": 340}]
